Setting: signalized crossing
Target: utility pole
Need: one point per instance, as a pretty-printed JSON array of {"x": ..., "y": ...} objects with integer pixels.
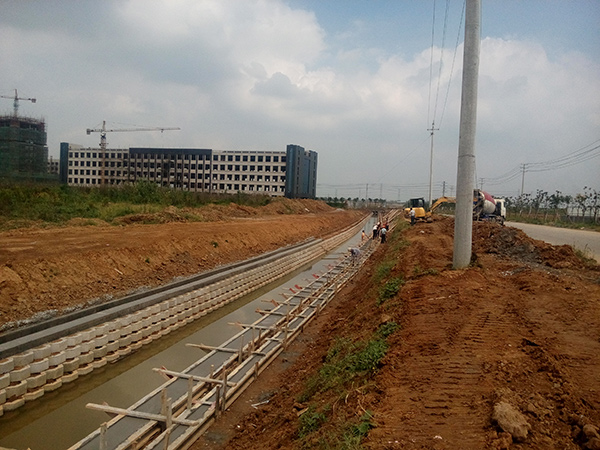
[
  {"x": 443, "y": 188},
  {"x": 523, "y": 179},
  {"x": 463, "y": 225},
  {"x": 367, "y": 194},
  {"x": 432, "y": 129}
]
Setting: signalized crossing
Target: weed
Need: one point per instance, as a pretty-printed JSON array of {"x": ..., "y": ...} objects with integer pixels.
[
  {"x": 387, "y": 329},
  {"x": 382, "y": 271},
  {"x": 310, "y": 421},
  {"x": 214, "y": 244},
  {"x": 344, "y": 362},
  {"x": 390, "y": 289},
  {"x": 418, "y": 272}
]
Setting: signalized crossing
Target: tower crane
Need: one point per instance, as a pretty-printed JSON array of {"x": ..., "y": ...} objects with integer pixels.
[
  {"x": 103, "y": 131},
  {"x": 16, "y": 99}
]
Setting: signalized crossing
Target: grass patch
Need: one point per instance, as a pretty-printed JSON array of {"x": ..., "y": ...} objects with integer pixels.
[
  {"x": 390, "y": 289},
  {"x": 310, "y": 421},
  {"x": 22, "y": 203},
  {"x": 345, "y": 361}
]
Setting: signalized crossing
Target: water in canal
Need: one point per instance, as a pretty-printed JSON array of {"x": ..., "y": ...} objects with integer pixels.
[{"x": 60, "y": 419}]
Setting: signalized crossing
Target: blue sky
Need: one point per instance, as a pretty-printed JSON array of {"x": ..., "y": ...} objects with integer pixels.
[{"x": 356, "y": 81}]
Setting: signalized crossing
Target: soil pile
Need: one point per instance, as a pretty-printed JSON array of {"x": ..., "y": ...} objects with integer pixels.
[
  {"x": 504, "y": 354},
  {"x": 48, "y": 271}
]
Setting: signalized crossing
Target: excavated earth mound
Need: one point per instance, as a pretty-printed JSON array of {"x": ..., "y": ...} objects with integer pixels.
[
  {"x": 503, "y": 354},
  {"x": 49, "y": 271}
]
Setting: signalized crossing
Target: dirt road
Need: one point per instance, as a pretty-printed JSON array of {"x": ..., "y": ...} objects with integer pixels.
[
  {"x": 585, "y": 240},
  {"x": 505, "y": 354}
]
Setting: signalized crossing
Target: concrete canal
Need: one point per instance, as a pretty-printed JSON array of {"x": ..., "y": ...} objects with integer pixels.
[{"x": 60, "y": 419}]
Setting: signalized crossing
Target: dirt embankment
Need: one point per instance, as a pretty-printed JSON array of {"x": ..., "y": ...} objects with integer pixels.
[
  {"x": 504, "y": 354},
  {"x": 57, "y": 269}
]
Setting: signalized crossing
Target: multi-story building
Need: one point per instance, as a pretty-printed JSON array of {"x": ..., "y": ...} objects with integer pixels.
[
  {"x": 189, "y": 169},
  {"x": 302, "y": 172},
  {"x": 23, "y": 150}
]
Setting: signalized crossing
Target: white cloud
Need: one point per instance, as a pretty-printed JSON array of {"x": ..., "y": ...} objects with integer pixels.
[{"x": 261, "y": 74}]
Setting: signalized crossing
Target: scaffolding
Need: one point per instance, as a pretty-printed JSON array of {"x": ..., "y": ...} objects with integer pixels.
[{"x": 23, "y": 149}]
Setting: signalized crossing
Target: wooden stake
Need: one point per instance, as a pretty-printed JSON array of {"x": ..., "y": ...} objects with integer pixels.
[
  {"x": 140, "y": 414},
  {"x": 103, "y": 445}
]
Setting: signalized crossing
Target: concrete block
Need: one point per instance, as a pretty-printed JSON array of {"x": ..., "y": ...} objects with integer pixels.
[
  {"x": 100, "y": 352},
  {"x": 13, "y": 404},
  {"x": 136, "y": 345},
  {"x": 112, "y": 346},
  {"x": 6, "y": 365},
  {"x": 34, "y": 395},
  {"x": 112, "y": 325},
  {"x": 23, "y": 359},
  {"x": 71, "y": 365},
  {"x": 84, "y": 370},
  {"x": 70, "y": 377},
  {"x": 112, "y": 357},
  {"x": 99, "y": 363},
  {"x": 125, "y": 320},
  {"x": 87, "y": 335},
  {"x": 58, "y": 345},
  {"x": 2, "y": 396},
  {"x": 16, "y": 390},
  {"x": 74, "y": 339},
  {"x": 52, "y": 386},
  {"x": 55, "y": 372},
  {"x": 145, "y": 332},
  {"x": 125, "y": 341},
  {"x": 56, "y": 359},
  {"x": 101, "y": 341},
  {"x": 41, "y": 352},
  {"x": 136, "y": 336},
  {"x": 4, "y": 380},
  {"x": 86, "y": 358},
  {"x": 85, "y": 346},
  {"x": 36, "y": 381},
  {"x": 114, "y": 335},
  {"x": 73, "y": 352},
  {"x": 39, "y": 366},
  {"x": 124, "y": 351},
  {"x": 126, "y": 330},
  {"x": 20, "y": 374}
]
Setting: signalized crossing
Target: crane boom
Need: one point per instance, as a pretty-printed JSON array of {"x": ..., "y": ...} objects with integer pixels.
[
  {"x": 104, "y": 130},
  {"x": 16, "y": 99}
]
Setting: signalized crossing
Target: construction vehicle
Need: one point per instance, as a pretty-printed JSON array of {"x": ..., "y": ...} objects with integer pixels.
[
  {"x": 418, "y": 205},
  {"x": 485, "y": 207}
]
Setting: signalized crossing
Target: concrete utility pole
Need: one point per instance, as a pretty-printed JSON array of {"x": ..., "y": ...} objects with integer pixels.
[
  {"x": 523, "y": 180},
  {"x": 463, "y": 225},
  {"x": 433, "y": 129}
]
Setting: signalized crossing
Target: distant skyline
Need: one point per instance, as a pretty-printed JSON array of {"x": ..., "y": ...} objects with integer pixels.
[{"x": 355, "y": 81}]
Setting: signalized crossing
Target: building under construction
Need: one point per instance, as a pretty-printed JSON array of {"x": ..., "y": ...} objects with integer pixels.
[{"x": 23, "y": 149}]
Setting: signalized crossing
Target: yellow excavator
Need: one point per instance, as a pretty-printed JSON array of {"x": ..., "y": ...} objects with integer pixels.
[{"x": 418, "y": 205}]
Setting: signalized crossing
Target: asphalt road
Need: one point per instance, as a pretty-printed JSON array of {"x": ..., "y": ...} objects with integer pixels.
[{"x": 584, "y": 240}]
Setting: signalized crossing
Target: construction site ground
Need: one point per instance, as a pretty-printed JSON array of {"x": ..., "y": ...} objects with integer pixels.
[{"x": 503, "y": 354}]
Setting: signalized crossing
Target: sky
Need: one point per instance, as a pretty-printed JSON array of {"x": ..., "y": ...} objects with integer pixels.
[{"x": 362, "y": 83}]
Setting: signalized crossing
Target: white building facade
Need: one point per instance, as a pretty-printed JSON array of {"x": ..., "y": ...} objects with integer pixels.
[{"x": 189, "y": 169}]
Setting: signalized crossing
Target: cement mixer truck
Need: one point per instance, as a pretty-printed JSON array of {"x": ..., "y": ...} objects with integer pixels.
[{"x": 486, "y": 207}]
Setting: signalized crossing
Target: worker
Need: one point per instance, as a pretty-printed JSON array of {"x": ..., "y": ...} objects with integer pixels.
[
  {"x": 412, "y": 216},
  {"x": 354, "y": 254},
  {"x": 383, "y": 234}
]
